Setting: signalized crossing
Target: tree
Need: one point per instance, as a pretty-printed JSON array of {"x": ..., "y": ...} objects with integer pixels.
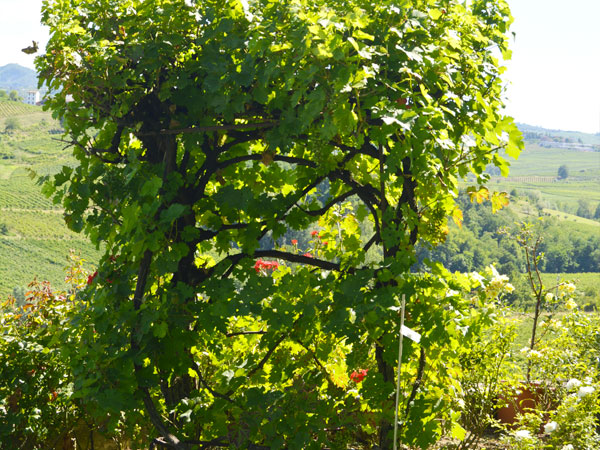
[
  {"x": 563, "y": 172},
  {"x": 3, "y": 94},
  {"x": 583, "y": 208},
  {"x": 597, "y": 212},
  {"x": 203, "y": 131},
  {"x": 14, "y": 96}
]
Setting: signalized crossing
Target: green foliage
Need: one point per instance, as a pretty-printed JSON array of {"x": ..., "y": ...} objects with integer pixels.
[
  {"x": 488, "y": 369},
  {"x": 35, "y": 384},
  {"x": 11, "y": 124},
  {"x": 563, "y": 172},
  {"x": 567, "y": 247},
  {"x": 565, "y": 365},
  {"x": 202, "y": 129},
  {"x": 13, "y": 96},
  {"x": 38, "y": 406}
]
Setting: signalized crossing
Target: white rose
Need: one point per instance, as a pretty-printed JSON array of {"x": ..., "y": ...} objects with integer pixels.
[
  {"x": 585, "y": 390},
  {"x": 573, "y": 383},
  {"x": 523, "y": 434},
  {"x": 550, "y": 427}
]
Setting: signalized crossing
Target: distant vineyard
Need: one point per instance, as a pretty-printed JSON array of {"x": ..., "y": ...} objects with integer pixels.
[
  {"x": 530, "y": 179},
  {"x": 34, "y": 241},
  {"x": 23, "y": 259},
  {"x": 8, "y": 108},
  {"x": 21, "y": 192},
  {"x": 36, "y": 224}
]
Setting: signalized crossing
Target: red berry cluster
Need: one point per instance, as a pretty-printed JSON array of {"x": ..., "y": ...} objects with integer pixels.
[
  {"x": 357, "y": 377},
  {"x": 91, "y": 277}
]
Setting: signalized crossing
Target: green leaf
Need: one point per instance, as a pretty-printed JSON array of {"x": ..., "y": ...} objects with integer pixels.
[
  {"x": 151, "y": 186},
  {"x": 457, "y": 431},
  {"x": 160, "y": 330},
  {"x": 173, "y": 212},
  {"x": 435, "y": 14}
]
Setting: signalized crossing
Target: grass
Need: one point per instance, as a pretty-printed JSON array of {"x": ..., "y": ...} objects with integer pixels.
[
  {"x": 540, "y": 161},
  {"x": 566, "y": 193},
  {"x": 570, "y": 217},
  {"x": 526, "y": 211}
]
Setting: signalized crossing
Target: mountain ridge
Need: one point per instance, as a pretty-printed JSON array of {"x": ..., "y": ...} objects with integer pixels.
[{"x": 17, "y": 77}]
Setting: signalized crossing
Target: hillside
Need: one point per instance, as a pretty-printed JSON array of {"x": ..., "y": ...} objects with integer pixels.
[
  {"x": 16, "y": 109},
  {"x": 34, "y": 242},
  {"x": 535, "y": 173},
  {"x": 533, "y": 134},
  {"x": 14, "y": 76}
]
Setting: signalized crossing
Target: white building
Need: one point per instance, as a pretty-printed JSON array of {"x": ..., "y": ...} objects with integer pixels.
[{"x": 32, "y": 97}]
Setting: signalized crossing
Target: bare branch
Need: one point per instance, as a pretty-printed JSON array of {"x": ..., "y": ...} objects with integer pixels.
[
  {"x": 211, "y": 390},
  {"x": 244, "y": 333}
]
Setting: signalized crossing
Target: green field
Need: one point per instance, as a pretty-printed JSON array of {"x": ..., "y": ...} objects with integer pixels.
[
  {"x": 570, "y": 217},
  {"x": 534, "y": 174},
  {"x": 540, "y": 161}
]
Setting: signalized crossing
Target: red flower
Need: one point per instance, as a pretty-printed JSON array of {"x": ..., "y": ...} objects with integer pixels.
[
  {"x": 294, "y": 241},
  {"x": 314, "y": 233},
  {"x": 357, "y": 377},
  {"x": 265, "y": 265},
  {"x": 308, "y": 255},
  {"x": 91, "y": 277},
  {"x": 325, "y": 243}
]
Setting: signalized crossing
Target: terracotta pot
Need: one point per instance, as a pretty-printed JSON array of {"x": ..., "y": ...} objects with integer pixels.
[{"x": 526, "y": 396}]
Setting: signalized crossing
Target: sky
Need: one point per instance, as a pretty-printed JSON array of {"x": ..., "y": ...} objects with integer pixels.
[{"x": 553, "y": 79}]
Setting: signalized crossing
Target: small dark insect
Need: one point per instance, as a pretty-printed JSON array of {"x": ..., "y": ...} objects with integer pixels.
[{"x": 31, "y": 49}]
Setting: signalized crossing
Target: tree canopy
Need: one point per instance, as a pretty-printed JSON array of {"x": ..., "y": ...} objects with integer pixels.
[
  {"x": 563, "y": 172},
  {"x": 205, "y": 133}
]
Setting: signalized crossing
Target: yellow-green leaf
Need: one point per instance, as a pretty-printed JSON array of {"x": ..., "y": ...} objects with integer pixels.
[
  {"x": 478, "y": 195},
  {"x": 435, "y": 14},
  {"x": 499, "y": 201},
  {"x": 457, "y": 216}
]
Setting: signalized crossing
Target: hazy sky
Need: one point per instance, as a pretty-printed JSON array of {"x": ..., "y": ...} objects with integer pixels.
[{"x": 554, "y": 76}]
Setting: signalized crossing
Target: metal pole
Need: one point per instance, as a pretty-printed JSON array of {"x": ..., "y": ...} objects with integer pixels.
[{"x": 399, "y": 367}]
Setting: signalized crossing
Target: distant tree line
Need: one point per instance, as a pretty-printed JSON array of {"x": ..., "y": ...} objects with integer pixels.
[
  {"x": 12, "y": 96},
  {"x": 480, "y": 241}
]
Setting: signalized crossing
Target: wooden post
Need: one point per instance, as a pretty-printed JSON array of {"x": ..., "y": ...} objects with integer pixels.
[{"x": 398, "y": 375}]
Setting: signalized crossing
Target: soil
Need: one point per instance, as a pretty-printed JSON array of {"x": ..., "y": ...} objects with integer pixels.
[{"x": 490, "y": 441}]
